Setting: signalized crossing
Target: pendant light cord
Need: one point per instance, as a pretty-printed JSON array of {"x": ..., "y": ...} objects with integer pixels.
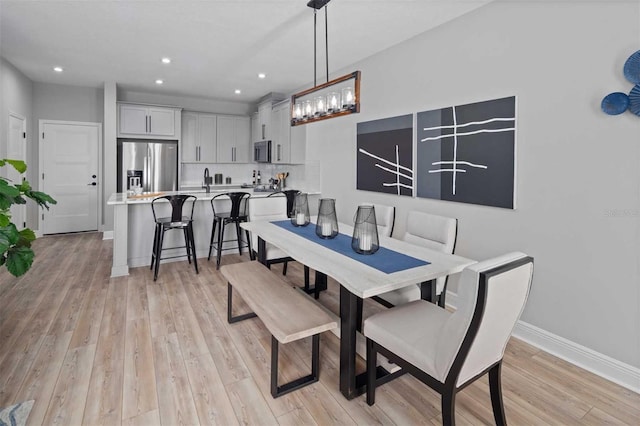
[
  {"x": 314, "y": 48},
  {"x": 326, "y": 40}
]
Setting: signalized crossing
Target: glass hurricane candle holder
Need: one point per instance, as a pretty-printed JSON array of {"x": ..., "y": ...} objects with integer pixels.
[
  {"x": 333, "y": 102},
  {"x": 348, "y": 98},
  {"x": 300, "y": 211},
  {"x": 307, "y": 109},
  {"x": 297, "y": 111},
  {"x": 365, "y": 231},
  {"x": 327, "y": 224},
  {"x": 321, "y": 108}
]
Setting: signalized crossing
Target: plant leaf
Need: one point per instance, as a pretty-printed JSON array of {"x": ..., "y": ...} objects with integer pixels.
[
  {"x": 27, "y": 236},
  {"x": 41, "y": 198},
  {"x": 19, "y": 165},
  {"x": 8, "y": 190},
  {"x": 11, "y": 234},
  {"x": 19, "y": 260},
  {"x": 5, "y": 219}
]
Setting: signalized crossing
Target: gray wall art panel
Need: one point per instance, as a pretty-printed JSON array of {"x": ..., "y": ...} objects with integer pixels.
[
  {"x": 466, "y": 153},
  {"x": 385, "y": 155}
]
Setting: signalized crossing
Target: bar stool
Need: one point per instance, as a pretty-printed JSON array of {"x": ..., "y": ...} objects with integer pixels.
[
  {"x": 291, "y": 195},
  {"x": 237, "y": 214},
  {"x": 176, "y": 221}
]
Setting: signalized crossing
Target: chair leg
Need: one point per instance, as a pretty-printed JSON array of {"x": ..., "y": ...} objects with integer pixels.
[
  {"x": 284, "y": 268},
  {"x": 495, "y": 387},
  {"x": 449, "y": 407},
  {"x": 443, "y": 295},
  {"x": 213, "y": 233},
  {"x": 158, "y": 253},
  {"x": 153, "y": 247},
  {"x": 239, "y": 236},
  {"x": 371, "y": 372},
  {"x": 187, "y": 244},
  {"x": 249, "y": 244},
  {"x": 193, "y": 245},
  {"x": 220, "y": 239}
]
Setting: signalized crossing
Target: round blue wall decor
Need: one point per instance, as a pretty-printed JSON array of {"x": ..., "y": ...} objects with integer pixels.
[
  {"x": 634, "y": 100},
  {"x": 632, "y": 68},
  {"x": 615, "y": 103}
]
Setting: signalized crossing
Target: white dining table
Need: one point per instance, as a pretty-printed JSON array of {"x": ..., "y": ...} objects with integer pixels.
[{"x": 357, "y": 281}]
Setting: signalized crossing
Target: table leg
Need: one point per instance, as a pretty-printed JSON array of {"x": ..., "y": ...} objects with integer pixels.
[
  {"x": 320, "y": 285},
  {"x": 348, "y": 324},
  {"x": 428, "y": 291},
  {"x": 262, "y": 251}
]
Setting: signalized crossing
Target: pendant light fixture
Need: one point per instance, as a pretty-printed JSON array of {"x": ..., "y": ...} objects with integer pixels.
[{"x": 334, "y": 98}]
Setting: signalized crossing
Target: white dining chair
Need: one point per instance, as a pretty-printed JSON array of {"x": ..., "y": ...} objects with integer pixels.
[
  {"x": 385, "y": 219},
  {"x": 269, "y": 208},
  {"x": 431, "y": 231},
  {"x": 449, "y": 350}
]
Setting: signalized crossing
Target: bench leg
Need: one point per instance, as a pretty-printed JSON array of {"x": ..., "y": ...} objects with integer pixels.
[
  {"x": 276, "y": 390},
  {"x": 230, "y": 318}
]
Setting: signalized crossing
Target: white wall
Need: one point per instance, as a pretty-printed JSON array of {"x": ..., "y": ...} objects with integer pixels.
[
  {"x": 16, "y": 92},
  {"x": 577, "y": 167}
]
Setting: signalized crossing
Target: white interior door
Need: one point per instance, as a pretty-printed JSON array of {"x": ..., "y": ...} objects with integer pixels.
[
  {"x": 17, "y": 150},
  {"x": 69, "y": 173}
]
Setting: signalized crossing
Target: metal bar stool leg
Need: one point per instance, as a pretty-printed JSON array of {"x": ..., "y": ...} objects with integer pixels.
[
  {"x": 239, "y": 236},
  {"x": 192, "y": 242},
  {"x": 187, "y": 244},
  {"x": 213, "y": 233},
  {"x": 158, "y": 252},
  {"x": 220, "y": 240}
]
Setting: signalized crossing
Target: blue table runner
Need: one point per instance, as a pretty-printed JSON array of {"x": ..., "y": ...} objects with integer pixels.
[{"x": 385, "y": 260}]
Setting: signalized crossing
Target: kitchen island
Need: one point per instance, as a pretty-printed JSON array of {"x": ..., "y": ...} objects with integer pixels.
[{"x": 133, "y": 226}]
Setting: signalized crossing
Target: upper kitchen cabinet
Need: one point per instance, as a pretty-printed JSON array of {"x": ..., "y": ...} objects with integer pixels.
[
  {"x": 288, "y": 144},
  {"x": 148, "y": 121},
  {"x": 256, "y": 128},
  {"x": 234, "y": 139},
  {"x": 199, "y": 137},
  {"x": 264, "y": 121}
]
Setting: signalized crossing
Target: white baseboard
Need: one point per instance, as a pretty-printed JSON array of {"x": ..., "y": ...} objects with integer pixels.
[
  {"x": 107, "y": 235},
  {"x": 602, "y": 365}
]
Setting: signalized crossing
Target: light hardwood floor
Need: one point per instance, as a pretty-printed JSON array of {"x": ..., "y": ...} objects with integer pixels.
[{"x": 94, "y": 350}]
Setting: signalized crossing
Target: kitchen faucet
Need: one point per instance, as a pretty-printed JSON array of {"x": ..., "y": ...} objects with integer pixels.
[{"x": 207, "y": 180}]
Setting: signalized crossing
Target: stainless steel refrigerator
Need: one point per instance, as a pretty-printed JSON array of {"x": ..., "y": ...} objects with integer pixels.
[{"x": 154, "y": 164}]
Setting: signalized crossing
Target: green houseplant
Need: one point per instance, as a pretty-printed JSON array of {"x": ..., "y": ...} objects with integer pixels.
[{"x": 15, "y": 246}]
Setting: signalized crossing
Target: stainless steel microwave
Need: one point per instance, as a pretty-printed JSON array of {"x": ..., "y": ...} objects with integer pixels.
[{"x": 262, "y": 152}]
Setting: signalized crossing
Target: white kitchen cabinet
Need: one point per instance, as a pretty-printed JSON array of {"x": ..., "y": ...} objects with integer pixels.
[
  {"x": 264, "y": 121},
  {"x": 256, "y": 128},
  {"x": 281, "y": 136},
  {"x": 288, "y": 144},
  {"x": 199, "y": 137},
  {"x": 234, "y": 139},
  {"x": 148, "y": 121}
]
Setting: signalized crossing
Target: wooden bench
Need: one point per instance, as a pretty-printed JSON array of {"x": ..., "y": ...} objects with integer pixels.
[{"x": 288, "y": 314}]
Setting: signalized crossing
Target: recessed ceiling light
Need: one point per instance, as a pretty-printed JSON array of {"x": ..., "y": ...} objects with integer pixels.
[
  {"x": 57, "y": 69},
  {"x": 262, "y": 75},
  {"x": 166, "y": 60},
  {"x": 158, "y": 81},
  {"x": 237, "y": 91}
]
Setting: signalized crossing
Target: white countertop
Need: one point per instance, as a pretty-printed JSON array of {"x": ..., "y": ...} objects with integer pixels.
[{"x": 201, "y": 195}]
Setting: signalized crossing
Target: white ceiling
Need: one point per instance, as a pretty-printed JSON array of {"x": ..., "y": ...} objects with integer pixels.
[{"x": 216, "y": 45}]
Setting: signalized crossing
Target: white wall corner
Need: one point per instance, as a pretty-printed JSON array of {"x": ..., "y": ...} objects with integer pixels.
[{"x": 602, "y": 365}]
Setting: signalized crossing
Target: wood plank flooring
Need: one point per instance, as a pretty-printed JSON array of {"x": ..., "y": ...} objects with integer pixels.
[{"x": 90, "y": 349}]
